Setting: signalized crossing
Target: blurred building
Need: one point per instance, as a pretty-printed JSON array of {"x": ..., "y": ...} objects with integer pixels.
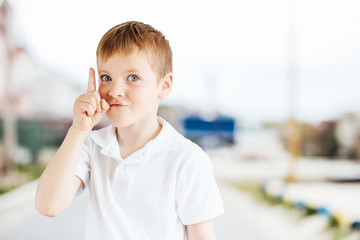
[
  {"x": 32, "y": 99},
  {"x": 32, "y": 90},
  {"x": 36, "y": 92}
]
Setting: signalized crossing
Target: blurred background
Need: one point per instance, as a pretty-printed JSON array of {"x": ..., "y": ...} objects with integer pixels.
[{"x": 270, "y": 89}]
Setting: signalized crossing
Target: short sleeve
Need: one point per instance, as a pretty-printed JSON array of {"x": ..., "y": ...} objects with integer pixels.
[
  {"x": 83, "y": 167},
  {"x": 198, "y": 195}
]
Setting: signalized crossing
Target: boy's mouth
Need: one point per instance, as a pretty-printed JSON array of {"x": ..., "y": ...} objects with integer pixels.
[{"x": 117, "y": 105}]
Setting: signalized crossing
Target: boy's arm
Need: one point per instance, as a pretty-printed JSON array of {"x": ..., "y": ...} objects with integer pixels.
[
  {"x": 58, "y": 184},
  {"x": 201, "y": 231}
]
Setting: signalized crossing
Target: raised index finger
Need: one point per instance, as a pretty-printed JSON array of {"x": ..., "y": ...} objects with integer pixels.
[{"x": 92, "y": 81}]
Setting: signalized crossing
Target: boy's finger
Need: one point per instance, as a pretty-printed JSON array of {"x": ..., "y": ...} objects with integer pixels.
[
  {"x": 86, "y": 108},
  {"x": 104, "y": 106},
  {"x": 98, "y": 100},
  {"x": 92, "y": 81}
]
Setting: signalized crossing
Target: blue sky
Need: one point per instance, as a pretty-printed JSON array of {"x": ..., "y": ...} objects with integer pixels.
[{"x": 230, "y": 55}]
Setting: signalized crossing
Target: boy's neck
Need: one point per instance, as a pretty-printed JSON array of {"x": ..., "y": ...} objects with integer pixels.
[{"x": 135, "y": 136}]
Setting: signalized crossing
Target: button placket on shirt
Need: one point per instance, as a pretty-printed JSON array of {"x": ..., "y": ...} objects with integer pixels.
[
  {"x": 121, "y": 178},
  {"x": 124, "y": 171}
]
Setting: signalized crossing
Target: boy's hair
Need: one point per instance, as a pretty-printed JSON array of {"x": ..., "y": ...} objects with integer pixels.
[{"x": 129, "y": 36}]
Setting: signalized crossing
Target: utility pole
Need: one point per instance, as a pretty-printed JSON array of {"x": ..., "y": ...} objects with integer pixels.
[
  {"x": 9, "y": 114},
  {"x": 293, "y": 125}
]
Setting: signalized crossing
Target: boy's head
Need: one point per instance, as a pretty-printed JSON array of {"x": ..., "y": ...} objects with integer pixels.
[
  {"x": 135, "y": 72},
  {"x": 130, "y": 36}
]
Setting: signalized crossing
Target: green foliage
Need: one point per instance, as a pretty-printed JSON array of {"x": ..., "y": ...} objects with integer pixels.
[
  {"x": 32, "y": 171},
  {"x": 5, "y": 189},
  {"x": 21, "y": 174}
]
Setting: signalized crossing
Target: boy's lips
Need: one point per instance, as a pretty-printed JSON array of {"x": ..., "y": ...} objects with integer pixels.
[{"x": 117, "y": 104}]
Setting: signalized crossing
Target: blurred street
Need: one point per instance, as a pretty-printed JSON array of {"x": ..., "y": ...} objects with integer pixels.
[
  {"x": 244, "y": 218},
  {"x": 276, "y": 106}
]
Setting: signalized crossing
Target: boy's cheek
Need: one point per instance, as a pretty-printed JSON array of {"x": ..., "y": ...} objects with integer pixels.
[{"x": 101, "y": 92}]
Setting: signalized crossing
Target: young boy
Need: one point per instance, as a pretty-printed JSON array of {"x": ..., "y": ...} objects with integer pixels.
[{"x": 146, "y": 181}]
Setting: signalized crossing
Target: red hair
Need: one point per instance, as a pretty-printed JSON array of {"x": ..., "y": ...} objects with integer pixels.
[{"x": 127, "y": 37}]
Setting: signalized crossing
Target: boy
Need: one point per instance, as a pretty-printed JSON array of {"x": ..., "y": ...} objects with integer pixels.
[{"x": 146, "y": 181}]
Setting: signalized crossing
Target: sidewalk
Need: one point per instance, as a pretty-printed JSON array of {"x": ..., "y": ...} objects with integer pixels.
[
  {"x": 245, "y": 218},
  {"x": 339, "y": 202}
]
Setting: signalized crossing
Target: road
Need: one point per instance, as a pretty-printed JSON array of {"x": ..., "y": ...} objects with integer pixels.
[
  {"x": 21, "y": 220},
  {"x": 244, "y": 217}
]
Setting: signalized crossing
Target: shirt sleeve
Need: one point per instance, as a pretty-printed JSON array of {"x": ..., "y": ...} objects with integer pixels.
[
  {"x": 83, "y": 167},
  {"x": 199, "y": 198}
]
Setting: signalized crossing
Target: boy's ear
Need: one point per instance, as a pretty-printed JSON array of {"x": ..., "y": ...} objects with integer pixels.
[{"x": 166, "y": 85}]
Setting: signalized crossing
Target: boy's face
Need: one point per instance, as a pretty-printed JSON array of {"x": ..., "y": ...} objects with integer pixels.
[{"x": 129, "y": 85}]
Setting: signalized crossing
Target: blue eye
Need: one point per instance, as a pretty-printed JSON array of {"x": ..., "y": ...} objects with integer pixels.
[
  {"x": 133, "y": 78},
  {"x": 105, "y": 78}
]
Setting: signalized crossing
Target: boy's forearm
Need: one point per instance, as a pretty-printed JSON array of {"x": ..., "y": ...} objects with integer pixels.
[
  {"x": 201, "y": 231},
  {"x": 56, "y": 186}
]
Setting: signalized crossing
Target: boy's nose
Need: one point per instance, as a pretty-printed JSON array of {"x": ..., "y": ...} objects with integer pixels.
[{"x": 117, "y": 90}]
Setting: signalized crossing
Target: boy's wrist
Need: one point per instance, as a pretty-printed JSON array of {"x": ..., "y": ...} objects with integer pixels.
[{"x": 76, "y": 132}]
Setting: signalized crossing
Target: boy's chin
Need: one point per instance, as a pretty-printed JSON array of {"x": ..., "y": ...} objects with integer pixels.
[
  {"x": 118, "y": 120},
  {"x": 121, "y": 123},
  {"x": 126, "y": 120}
]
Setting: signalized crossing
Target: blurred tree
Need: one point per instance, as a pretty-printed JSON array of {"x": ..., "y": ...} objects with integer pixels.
[
  {"x": 309, "y": 143},
  {"x": 326, "y": 138},
  {"x": 315, "y": 140},
  {"x": 347, "y": 133}
]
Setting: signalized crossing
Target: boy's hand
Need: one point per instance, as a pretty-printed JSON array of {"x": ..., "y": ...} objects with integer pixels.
[{"x": 89, "y": 107}]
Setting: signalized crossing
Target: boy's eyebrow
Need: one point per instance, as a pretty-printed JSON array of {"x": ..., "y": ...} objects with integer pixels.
[
  {"x": 102, "y": 71},
  {"x": 132, "y": 70},
  {"x": 127, "y": 71}
]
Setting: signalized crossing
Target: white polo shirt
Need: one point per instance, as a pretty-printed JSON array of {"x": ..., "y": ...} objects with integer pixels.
[{"x": 151, "y": 194}]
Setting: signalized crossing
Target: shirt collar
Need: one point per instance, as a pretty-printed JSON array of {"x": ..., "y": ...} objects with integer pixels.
[{"x": 165, "y": 141}]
